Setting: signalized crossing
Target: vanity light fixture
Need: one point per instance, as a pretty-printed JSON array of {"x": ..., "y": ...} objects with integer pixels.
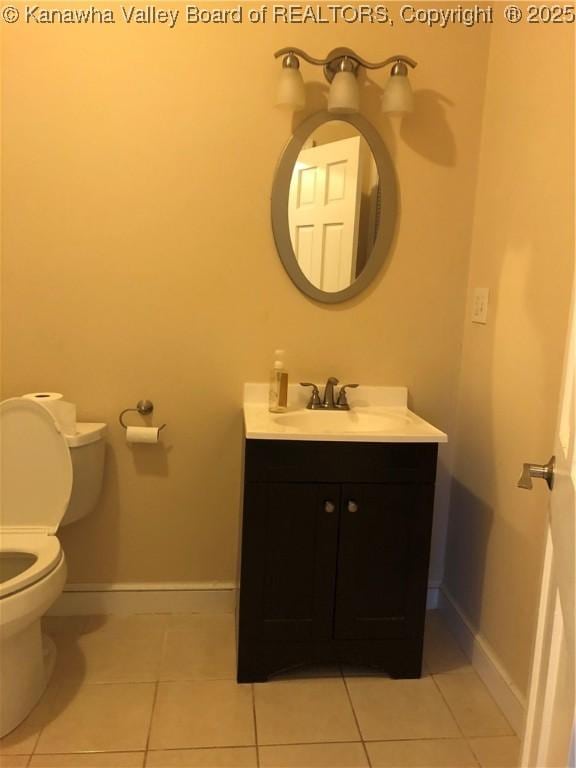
[{"x": 341, "y": 71}]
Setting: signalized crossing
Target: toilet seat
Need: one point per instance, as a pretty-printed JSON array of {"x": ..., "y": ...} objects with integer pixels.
[
  {"x": 35, "y": 488},
  {"x": 35, "y": 469},
  {"x": 45, "y": 548}
]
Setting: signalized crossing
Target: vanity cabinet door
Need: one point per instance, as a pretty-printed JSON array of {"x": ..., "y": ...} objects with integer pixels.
[
  {"x": 383, "y": 560},
  {"x": 289, "y": 553}
]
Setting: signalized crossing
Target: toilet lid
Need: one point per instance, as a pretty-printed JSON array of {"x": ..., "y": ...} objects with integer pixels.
[{"x": 35, "y": 469}]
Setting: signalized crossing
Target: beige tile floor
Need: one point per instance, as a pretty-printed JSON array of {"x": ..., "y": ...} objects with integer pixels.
[{"x": 159, "y": 691}]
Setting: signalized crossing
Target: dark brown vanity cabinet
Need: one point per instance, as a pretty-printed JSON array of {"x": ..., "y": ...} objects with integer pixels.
[{"x": 335, "y": 551}]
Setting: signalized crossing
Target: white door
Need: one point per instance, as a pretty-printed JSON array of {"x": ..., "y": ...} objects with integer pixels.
[
  {"x": 549, "y": 736},
  {"x": 324, "y": 212}
]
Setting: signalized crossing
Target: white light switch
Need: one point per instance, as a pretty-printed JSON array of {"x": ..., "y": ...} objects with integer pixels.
[{"x": 480, "y": 306}]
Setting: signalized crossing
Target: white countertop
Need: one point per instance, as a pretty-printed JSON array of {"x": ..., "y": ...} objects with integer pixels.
[{"x": 376, "y": 415}]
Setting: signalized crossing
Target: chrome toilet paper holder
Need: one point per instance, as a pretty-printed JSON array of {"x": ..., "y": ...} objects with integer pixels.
[{"x": 143, "y": 407}]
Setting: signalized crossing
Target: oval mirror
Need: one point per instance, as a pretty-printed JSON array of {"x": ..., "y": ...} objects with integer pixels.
[{"x": 334, "y": 206}]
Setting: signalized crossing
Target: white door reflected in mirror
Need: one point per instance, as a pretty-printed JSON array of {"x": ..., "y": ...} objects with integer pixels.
[{"x": 333, "y": 206}]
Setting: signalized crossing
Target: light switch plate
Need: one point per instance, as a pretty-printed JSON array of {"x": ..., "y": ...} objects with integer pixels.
[{"x": 480, "y": 306}]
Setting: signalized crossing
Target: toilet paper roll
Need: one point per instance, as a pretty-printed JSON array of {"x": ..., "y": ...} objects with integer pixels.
[
  {"x": 63, "y": 411},
  {"x": 44, "y": 397},
  {"x": 142, "y": 434},
  {"x": 66, "y": 416}
]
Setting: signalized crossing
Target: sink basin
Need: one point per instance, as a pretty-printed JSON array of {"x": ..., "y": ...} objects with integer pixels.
[
  {"x": 377, "y": 415},
  {"x": 341, "y": 421}
]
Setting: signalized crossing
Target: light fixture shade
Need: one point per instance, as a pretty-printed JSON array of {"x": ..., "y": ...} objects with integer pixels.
[
  {"x": 398, "y": 97},
  {"x": 344, "y": 95},
  {"x": 290, "y": 93}
]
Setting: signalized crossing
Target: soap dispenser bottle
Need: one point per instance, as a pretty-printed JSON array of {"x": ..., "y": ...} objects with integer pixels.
[{"x": 278, "y": 399}]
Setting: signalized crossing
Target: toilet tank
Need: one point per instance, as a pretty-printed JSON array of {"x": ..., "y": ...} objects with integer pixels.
[{"x": 87, "y": 450}]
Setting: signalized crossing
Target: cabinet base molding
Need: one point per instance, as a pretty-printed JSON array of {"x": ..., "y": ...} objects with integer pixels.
[{"x": 400, "y": 658}]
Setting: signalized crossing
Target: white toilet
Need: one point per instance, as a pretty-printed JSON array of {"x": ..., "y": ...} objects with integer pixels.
[{"x": 47, "y": 479}]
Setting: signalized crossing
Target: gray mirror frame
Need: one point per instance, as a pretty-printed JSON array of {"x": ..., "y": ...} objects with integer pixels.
[{"x": 281, "y": 192}]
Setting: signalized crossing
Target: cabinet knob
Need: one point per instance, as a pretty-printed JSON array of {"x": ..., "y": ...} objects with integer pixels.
[
  {"x": 352, "y": 506},
  {"x": 329, "y": 507}
]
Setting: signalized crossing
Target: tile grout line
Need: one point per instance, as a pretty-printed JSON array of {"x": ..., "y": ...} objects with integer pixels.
[
  {"x": 462, "y": 735},
  {"x": 191, "y": 748},
  {"x": 90, "y": 752},
  {"x": 152, "y": 682},
  {"x": 467, "y": 739},
  {"x": 154, "y": 699},
  {"x": 227, "y": 746},
  {"x": 364, "y": 747},
  {"x": 37, "y": 739},
  {"x": 255, "y": 725},
  {"x": 156, "y": 690},
  {"x": 470, "y": 664},
  {"x": 476, "y": 758},
  {"x": 444, "y": 699},
  {"x": 449, "y": 708}
]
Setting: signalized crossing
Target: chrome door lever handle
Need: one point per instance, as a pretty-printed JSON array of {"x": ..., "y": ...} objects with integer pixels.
[{"x": 545, "y": 471}]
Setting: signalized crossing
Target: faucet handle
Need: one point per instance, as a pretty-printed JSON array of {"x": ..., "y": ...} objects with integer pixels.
[
  {"x": 342, "y": 401},
  {"x": 315, "y": 401}
]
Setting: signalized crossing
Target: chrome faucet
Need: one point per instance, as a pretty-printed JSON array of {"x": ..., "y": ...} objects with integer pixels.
[{"x": 327, "y": 403}]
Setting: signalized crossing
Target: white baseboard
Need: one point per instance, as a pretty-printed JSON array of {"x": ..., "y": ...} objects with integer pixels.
[
  {"x": 485, "y": 662},
  {"x": 125, "y": 599}
]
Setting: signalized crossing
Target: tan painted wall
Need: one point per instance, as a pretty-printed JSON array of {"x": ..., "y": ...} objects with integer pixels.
[
  {"x": 139, "y": 259},
  {"x": 523, "y": 250}
]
